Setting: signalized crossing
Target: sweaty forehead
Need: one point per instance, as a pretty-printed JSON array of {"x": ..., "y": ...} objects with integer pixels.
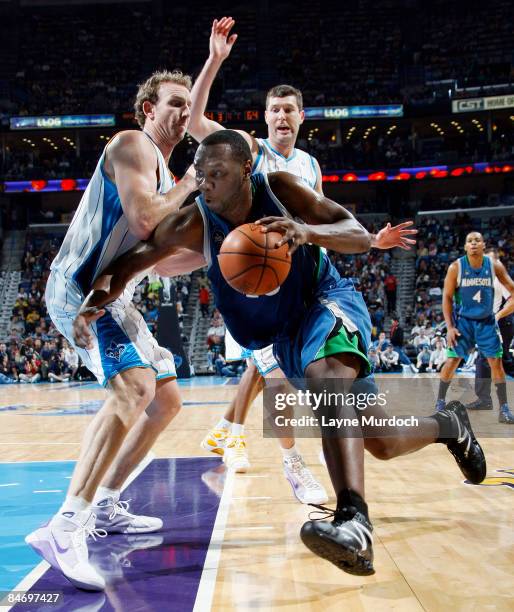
[{"x": 474, "y": 236}]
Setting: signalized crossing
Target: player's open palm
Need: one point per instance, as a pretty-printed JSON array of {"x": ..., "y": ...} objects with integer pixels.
[
  {"x": 220, "y": 43},
  {"x": 396, "y": 236},
  {"x": 82, "y": 334}
]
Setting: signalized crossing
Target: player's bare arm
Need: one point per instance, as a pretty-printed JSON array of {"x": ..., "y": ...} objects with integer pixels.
[
  {"x": 319, "y": 178},
  {"x": 505, "y": 279},
  {"x": 177, "y": 232},
  {"x": 131, "y": 162},
  {"x": 326, "y": 223},
  {"x": 220, "y": 46},
  {"x": 450, "y": 286}
]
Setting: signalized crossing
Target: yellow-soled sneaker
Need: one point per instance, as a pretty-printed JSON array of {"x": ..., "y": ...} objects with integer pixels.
[
  {"x": 215, "y": 441},
  {"x": 236, "y": 455}
]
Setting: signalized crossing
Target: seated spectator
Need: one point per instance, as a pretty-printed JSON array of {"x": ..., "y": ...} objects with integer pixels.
[
  {"x": 374, "y": 360},
  {"x": 216, "y": 334},
  {"x": 227, "y": 369},
  {"x": 7, "y": 374},
  {"x": 421, "y": 339},
  {"x": 438, "y": 337},
  {"x": 438, "y": 357},
  {"x": 380, "y": 344},
  {"x": 390, "y": 359},
  {"x": 31, "y": 373},
  {"x": 71, "y": 361},
  {"x": 423, "y": 360},
  {"x": 56, "y": 369}
]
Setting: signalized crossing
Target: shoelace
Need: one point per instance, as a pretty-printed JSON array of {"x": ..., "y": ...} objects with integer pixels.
[
  {"x": 323, "y": 510},
  {"x": 357, "y": 530},
  {"x": 86, "y": 531},
  {"x": 304, "y": 475},
  {"x": 237, "y": 445},
  {"x": 119, "y": 507}
]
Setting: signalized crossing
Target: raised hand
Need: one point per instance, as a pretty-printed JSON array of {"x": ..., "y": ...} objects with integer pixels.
[
  {"x": 389, "y": 237},
  {"x": 220, "y": 43}
]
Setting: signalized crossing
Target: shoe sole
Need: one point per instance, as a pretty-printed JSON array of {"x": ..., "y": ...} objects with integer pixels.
[
  {"x": 238, "y": 469},
  {"x": 486, "y": 408},
  {"x": 132, "y": 531},
  {"x": 320, "y": 500},
  {"x": 505, "y": 421},
  {"x": 345, "y": 559},
  {"x": 45, "y": 550}
]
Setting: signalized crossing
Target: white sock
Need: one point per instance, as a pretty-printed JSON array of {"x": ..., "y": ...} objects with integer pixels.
[
  {"x": 289, "y": 453},
  {"x": 73, "y": 505},
  {"x": 104, "y": 493},
  {"x": 223, "y": 424},
  {"x": 237, "y": 429}
]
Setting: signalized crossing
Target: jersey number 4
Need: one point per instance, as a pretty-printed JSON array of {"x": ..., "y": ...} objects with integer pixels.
[{"x": 477, "y": 297}]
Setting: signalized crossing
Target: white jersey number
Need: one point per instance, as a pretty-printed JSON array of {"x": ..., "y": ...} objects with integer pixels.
[{"x": 477, "y": 297}]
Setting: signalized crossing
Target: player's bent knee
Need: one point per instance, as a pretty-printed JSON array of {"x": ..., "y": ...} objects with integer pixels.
[{"x": 383, "y": 449}]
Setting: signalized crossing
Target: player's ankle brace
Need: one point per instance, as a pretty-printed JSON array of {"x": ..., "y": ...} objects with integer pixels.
[
  {"x": 447, "y": 427},
  {"x": 349, "y": 502}
]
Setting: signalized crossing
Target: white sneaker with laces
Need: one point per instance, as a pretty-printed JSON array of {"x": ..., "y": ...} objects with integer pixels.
[
  {"x": 236, "y": 455},
  {"x": 306, "y": 488},
  {"x": 114, "y": 517},
  {"x": 62, "y": 542},
  {"x": 215, "y": 441}
]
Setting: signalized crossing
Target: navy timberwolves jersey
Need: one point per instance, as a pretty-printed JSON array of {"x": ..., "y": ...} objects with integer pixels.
[
  {"x": 256, "y": 322},
  {"x": 475, "y": 289}
]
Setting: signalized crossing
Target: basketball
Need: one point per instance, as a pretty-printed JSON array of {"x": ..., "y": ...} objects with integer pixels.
[{"x": 249, "y": 261}]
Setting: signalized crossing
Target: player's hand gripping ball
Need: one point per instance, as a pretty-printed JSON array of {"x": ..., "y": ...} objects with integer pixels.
[{"x": 249, "y": 261}]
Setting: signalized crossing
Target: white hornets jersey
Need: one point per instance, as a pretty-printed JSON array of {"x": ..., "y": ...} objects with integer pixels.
[
  {"x": 99, "y": 231},
  {"x": 299, "y": 163}
]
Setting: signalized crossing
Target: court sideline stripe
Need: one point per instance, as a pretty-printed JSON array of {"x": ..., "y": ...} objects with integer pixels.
[
  {"x": 207, "y": 584},
  {"x": 33, "y": 576}
]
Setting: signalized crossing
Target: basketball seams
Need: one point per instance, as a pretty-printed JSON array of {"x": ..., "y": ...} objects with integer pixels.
[
  {"x": 261, "y": 246},
  {"x": 263, "y": 265}
]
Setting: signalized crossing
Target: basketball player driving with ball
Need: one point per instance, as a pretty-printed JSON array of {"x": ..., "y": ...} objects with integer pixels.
[{"x": 317, "y": 322}]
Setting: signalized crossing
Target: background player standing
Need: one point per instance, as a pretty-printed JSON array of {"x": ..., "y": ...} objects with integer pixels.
[
  {"x": 469, "y": 284},
  {"x": 482, "y": 369}
]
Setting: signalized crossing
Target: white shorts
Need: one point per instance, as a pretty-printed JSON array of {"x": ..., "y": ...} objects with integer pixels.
[
  {"x": 263, "y": 359},
  {"x": 122, "y": 339}
]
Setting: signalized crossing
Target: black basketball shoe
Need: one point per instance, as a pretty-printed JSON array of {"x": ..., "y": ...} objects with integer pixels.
[
  {"x": 348, "y": 544},
  {"x": 479, "y": 404},
  {"x": 465, "y": 447}
]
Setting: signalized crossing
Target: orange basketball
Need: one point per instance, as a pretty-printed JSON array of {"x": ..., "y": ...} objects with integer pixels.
[{"x": 249, "y": 261}]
